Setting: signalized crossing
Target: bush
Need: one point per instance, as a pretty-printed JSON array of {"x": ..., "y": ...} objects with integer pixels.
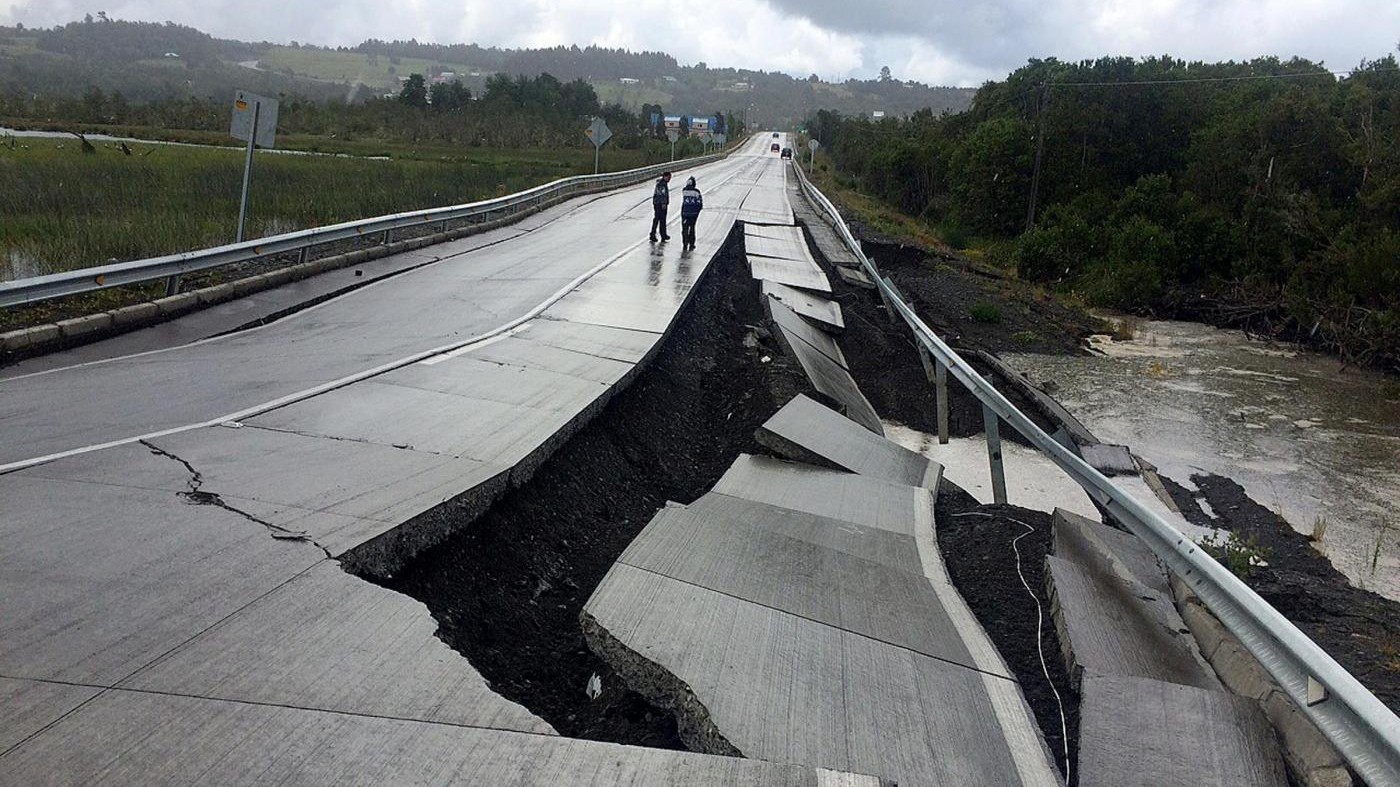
[
  {"x": 1130, "y": 276},
  {"x": 1058, "y": 249},
  {"x": 953, "y": 232},
  {"x": 983, "y": 311}
]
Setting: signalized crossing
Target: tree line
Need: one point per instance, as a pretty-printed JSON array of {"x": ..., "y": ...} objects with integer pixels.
[{"x": 1264, "y": 194}]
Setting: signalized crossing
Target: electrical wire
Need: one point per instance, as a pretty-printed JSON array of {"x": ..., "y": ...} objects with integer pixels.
[{"x": 1039, "y": 627}]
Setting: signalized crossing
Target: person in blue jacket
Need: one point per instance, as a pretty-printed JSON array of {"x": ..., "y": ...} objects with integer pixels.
[
  {"x": 691, "y": 205},
  {"x": 660, "y": 200}
]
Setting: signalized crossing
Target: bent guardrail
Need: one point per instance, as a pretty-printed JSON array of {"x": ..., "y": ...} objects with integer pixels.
[
  {"x": 169, "y": 267},
  {"x": 1359, "y": 725}
]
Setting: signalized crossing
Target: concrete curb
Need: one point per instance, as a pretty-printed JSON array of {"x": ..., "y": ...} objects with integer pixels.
[
  {"x": 1310, "y": 757},
  {"x": 35, "y": 340}
]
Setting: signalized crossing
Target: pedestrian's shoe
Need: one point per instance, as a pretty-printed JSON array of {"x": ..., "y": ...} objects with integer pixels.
[
  {"x": 665, "y": 238},
  {"x": 653, "y": 238}
]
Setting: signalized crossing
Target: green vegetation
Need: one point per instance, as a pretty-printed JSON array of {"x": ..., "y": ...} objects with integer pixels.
[
  {"x": 1267, "y": 198},
  {"x": 1241, "y": 556},
  {"x": 61, "y": 209},
  {"x": 985, "y": 311}
]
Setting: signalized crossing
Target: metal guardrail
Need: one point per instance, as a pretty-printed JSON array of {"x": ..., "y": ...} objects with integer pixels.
[
  {"x": 1359, "y": 725},
  {"x": 22, "y": 291}
]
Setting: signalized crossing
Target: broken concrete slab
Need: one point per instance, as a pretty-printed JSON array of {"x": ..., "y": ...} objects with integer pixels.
[
  {"x": 1138, "y": 731},
  {"x": 854, "y": 277},
  {"x": 1109, "y": 459},
  {"x": 790, "y": 247},
  {"x": 864, "y": 500},
  {"x": 793, "y": 273},
  {"x": 329, "y": 641},
  {"x": 826, "y": 314},
  {"x": 807, "y": 431},
  {"x": 747, "y": 558},
  {"x": 131, "y": 579},
  {"x": 771, "y": 685},
  {"x": 129, "y": 737},
  {"x": 832, "y": 380},
  {"x": 775, "y": 232},
  {"x": 1102, "y": 548},
  {"x": 794, "y": 325},
  {"x": 1120, "y": 627}
]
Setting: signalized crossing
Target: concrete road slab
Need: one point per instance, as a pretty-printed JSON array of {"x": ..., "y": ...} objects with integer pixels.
[
  {"x": 863, "y": 500},
  {"x": 1116, "y": 627},
  {"x": 794, "y": 324},
  {"x": 809, "y": 432},
  {"x": 1105, "y": 549},
  {"x": 775, "y": 232},
  {"x": 832, "y": 380},
  {"x": 636, "y": 307},
  {"x": 1137, "y": 732},
  {"x": 1109, "y": 459},
  {"x": 831, "y": 247},
  {"x": 422, "y": 421},
  {"x": 617, "y": 344},
  {"x": 792, "y": 247},
  {"x": 342, "y": 492},
  {"x": 751, "y": 560},
  {"x": 28, "y": 706},
  {"x": 522, "y": 351},
  {"x": 135, "y": 573},
  {"x": 793, "y": 273},
  {"x": 150, "y": 739},
  {"x": 466, "y": 376},
  {"x": 825, "y": 313},
  {"x": 873, "y": 544},
  {"x": 331, "y": 641},
  {"x": 776, "y": 686}
]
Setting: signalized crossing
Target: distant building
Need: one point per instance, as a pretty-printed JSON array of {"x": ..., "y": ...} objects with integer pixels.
[
  {"x": 742, "y": 86},
  {"x": 629, "y": 81},
  {"x": 877, "y": 114},
  {"x": 669, "y": 79},
  {"x": 172, "y": 54}
]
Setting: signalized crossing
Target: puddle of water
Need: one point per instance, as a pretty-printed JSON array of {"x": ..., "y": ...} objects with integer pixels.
[{"x": 1318, "y": 445}]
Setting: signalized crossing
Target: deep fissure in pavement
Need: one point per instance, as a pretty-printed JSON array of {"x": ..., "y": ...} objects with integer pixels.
[{"x": 507, "y": 589}]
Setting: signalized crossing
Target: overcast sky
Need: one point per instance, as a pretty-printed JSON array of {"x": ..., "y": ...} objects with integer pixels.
[{"x": 936, "y": 41}]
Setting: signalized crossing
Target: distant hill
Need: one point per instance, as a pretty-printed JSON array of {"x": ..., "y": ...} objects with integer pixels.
[{"x": 147, "y": 61}]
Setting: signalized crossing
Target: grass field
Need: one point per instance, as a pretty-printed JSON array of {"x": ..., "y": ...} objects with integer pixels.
[
  {"x": 63, "y": 210},
  {"x": 353, "y": 67}
]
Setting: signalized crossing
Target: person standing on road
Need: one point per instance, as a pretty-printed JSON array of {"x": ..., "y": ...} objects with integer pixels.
[
  {"x": 691, "y": 205},
  {"x": 660, "y": 200}
]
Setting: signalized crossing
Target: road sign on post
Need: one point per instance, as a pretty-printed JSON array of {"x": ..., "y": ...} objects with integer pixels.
[
  {"x": 812, "y": 145},
  {"x": 673, "y": 135},
  {"x": 255, "y": 122},
  {"x": 599, "y": 132}
]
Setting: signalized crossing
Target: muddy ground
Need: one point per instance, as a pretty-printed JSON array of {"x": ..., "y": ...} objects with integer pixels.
[
  {"x": 1358, "y": 628},
  {"x": 507, "y": 589}
]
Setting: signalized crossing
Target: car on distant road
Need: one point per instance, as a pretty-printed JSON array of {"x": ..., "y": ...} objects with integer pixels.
[
  {"x": 775, "y": 135},
  {"x": 787, "y": 153},
  {"x": 774, "y": 148}
]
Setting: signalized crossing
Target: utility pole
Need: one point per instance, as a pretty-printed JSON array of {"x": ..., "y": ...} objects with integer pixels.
[{"x": 1039, "y": 153}]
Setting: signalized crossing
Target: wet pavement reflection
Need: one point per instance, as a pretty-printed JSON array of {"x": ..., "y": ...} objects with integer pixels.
[{"x": 1312, "y": 441}]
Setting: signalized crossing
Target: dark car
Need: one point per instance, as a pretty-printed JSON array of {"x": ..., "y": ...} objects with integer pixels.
[
  {"x": 774, "y": 148},
  {"x": 787, "y": 153},
  {"x": 775, "y": 135}
]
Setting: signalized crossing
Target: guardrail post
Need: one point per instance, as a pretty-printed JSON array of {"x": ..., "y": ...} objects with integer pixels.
[
  {"x": 388, "y": 235},
  {"x": 990, "y": 424},
  {"x": 172, "y": 285},
  {"x": 940, "y": 389}
]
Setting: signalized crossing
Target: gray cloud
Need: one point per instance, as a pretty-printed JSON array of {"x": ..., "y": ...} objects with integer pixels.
[{"x": 938, "y": 41}]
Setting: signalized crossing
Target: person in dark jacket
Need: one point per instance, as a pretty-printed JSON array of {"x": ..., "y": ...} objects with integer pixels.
[
  {"x": 691, "y": 205},
  {"x": 660, "y": 200}
]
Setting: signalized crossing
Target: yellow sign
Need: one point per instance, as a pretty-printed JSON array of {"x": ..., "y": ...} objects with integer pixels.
[{"x": 240, "y": 104}]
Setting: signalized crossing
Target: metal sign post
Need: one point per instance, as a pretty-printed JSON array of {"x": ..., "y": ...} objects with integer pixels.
[
  {"x": 812, "y": 145},
  {"x": 673, "y": 135},
  {"x": 599, "y": 133},
  {"x": 254, "y": 120}
]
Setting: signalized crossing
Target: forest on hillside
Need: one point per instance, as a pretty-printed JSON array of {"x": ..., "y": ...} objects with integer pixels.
[{"x": 1263, "y": 194}]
